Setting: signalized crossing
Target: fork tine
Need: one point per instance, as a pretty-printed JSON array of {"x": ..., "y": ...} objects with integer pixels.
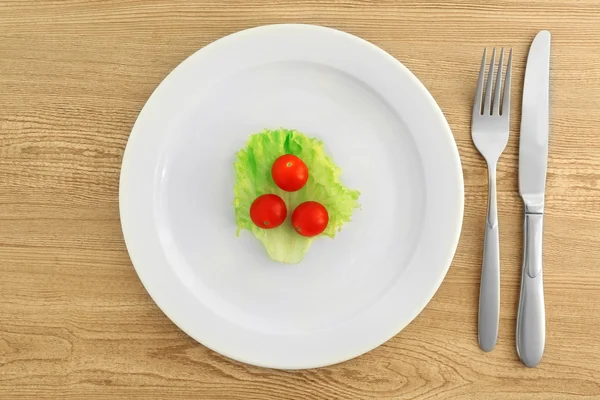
[
  {"x": 506, "y": 97},
  {"x": 487, "y": 105},
  {"x": 498, "y": 87},
  {"x": 479, "y": 90}
]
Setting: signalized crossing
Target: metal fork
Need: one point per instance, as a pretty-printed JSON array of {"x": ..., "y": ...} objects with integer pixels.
[{"x": 489, "y": 130}]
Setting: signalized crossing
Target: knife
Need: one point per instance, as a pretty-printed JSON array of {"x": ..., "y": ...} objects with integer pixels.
[{"x": 533, "y": 162}]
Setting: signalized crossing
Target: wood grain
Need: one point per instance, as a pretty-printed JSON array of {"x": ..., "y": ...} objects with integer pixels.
[{"x": 76, "y": 323}]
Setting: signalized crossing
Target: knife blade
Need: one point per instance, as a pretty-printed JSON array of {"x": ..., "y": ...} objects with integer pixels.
[{"x": 533, "y": 163}]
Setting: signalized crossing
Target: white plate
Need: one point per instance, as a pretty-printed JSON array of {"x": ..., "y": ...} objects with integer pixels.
[{"x": 349, "y": 294}]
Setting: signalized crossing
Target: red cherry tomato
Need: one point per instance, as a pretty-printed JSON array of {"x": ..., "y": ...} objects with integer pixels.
[
  {"x": 268, "y": 211},
  {"x": 310, "y": 218},
  {"x": 289, "y": 173}
]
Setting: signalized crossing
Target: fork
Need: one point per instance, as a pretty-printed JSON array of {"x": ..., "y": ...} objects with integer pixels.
[{"x": 489, "y": 130}]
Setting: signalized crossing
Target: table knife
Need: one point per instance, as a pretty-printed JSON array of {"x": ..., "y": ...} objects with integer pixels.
[{"x": 533, "y": 162}]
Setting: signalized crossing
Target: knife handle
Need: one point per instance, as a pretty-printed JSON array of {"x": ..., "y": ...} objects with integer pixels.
[
  {"x": 531, "y": 317},
  {"x": 489, "y": 287}
]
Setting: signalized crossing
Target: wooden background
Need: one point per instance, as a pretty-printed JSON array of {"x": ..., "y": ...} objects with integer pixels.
[{"x": 75, "y": 322}]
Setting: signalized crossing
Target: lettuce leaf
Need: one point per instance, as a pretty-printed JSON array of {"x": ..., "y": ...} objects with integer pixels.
[{"x": 253, "y": 178}]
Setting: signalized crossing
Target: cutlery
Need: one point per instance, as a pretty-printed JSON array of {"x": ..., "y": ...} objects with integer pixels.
[
  {"x": 489, "y": 130},
  {"x": 533, "y": 162}
]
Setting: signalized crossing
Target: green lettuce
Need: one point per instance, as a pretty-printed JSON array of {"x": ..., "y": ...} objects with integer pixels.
[{"x": 253, "y": 178}]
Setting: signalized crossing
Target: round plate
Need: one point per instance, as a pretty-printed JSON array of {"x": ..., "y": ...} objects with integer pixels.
[{"x": 350, "y": 294}]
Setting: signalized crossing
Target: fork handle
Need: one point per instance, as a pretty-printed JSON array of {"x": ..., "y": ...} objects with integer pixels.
[{"x": 489, "y": 288}]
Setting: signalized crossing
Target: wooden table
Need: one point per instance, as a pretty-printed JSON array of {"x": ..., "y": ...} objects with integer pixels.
[{"x": 75, "y": 321}]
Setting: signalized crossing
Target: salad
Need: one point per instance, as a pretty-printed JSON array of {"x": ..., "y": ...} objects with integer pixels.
[{"x": 287, "y": 192}]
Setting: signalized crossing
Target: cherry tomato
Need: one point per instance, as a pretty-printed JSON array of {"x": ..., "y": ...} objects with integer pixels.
[
  {"x": 289, "y": 173},
  {"x": 310, "y": 218},
  {"x": 268, "y": 211}
]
